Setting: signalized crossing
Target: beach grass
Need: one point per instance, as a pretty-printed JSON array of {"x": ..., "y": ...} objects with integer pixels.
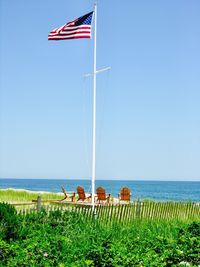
[{"x": 13, "y": 195}]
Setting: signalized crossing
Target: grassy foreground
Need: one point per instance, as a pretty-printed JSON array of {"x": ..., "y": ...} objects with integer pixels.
[{"x": 64, "y": 238}]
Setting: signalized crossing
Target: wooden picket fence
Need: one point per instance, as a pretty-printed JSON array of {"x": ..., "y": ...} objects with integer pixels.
[{"x": 124, "y": 213}]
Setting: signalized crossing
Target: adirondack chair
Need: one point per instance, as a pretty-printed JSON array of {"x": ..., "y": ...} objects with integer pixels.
[
  {"x": 125, "y": 194},
  {"x": 66, "y": 196},
  {"x": 81, "y": 194},
  {"x": 101, "y": 195}
]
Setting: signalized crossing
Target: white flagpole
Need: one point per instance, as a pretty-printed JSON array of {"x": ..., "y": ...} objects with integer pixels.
[{"x": 94, "y": 112}]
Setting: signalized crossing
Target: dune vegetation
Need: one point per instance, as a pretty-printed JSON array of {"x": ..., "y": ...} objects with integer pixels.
[
  {"x": 13, "y": 195},
  {"x": 68, "y": 238}
]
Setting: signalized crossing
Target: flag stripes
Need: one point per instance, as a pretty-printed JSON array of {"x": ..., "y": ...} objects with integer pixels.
[{"x": 78, "y": 28}]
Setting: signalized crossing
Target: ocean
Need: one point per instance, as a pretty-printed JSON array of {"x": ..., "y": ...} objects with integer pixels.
[{"x": 153, "y": 190}]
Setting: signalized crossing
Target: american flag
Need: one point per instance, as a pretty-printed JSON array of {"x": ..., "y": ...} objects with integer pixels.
[{"x": 78, "y": 28}]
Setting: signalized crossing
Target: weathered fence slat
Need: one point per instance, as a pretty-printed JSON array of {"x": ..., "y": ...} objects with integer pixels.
[{"x": 121, "y": 213}]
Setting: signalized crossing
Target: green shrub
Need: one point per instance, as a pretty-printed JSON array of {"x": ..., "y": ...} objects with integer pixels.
[
  {"x": 70, "y": 239},
  {"x": 194, "y": 229},
  {"x": 9, "y": 222},
  {"x": 5, "y": 251}
]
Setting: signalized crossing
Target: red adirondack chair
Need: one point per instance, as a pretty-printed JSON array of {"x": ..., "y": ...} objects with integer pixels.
[
  {"x": 66, "y": 196},
  {"x": 101, "y": 195},
  {"x": 125, "y": 194},
  {"x": 81, "y": 194}
]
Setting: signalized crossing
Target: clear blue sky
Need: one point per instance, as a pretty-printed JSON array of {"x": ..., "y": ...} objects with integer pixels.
[{"x": 148, "y": 105}]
